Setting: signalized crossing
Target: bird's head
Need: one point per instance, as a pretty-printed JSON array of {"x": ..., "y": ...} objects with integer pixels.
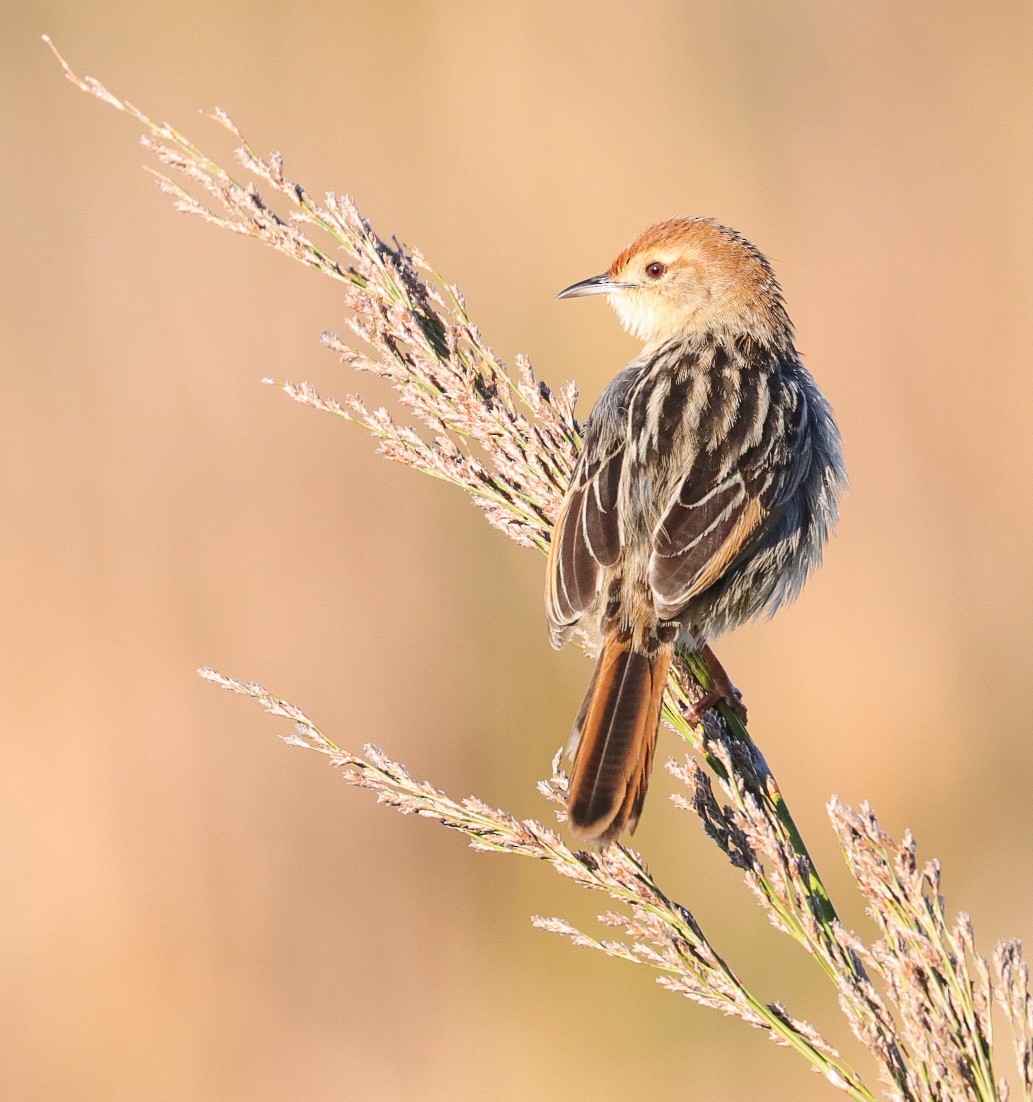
[{"x": 690, "y": 277}]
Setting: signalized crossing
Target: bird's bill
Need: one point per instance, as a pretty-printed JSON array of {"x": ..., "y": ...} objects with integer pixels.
[{"x": 597, "y": 285}]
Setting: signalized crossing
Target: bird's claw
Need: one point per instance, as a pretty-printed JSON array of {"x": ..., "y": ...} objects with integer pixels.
[{"x": 694, "y": 713}]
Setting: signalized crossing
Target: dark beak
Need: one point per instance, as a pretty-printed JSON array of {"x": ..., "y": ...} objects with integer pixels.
[{"x": 597, "y": 285}]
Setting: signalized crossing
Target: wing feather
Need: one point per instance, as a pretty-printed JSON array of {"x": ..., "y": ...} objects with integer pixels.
[
  {"x": 698, "y": 540},
  {"x": 586, "y": 539},
  {"x": 599, "y": 515},
  {"x": 713, "y": 519}
]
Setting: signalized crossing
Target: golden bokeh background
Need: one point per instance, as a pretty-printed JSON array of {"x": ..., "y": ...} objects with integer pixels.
[{"x": 196, "y": 911}]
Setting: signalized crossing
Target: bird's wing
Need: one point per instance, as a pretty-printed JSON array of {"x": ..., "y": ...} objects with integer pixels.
[
  {"x": 714, "y": 518},
  {"x": 585, "y": 539},
  {"x": 700, "y": 536}
]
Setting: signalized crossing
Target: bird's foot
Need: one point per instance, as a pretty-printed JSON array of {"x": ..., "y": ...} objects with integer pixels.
[
  {"x": 721, "y": 691},
  {"x": 711, "y": 699}
]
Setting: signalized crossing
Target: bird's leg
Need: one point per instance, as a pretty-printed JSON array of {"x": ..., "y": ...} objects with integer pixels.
[{"x": 721, "y": 690}]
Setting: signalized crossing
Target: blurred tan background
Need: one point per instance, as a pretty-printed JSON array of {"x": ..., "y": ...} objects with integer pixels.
[{"x": 194, "y": 910}]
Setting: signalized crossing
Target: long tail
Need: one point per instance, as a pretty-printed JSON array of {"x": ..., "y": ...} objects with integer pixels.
[{"x": 616, "y": 731}]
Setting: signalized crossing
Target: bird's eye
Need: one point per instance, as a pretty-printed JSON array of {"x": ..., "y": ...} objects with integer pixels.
[{"x": 656, "y": 269}]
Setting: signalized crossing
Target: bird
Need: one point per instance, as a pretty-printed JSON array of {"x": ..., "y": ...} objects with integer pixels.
[{"x": 707, "y": 485}]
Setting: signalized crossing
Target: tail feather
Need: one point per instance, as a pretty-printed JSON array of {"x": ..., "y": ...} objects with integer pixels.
[{"x": 616, "y": 732}]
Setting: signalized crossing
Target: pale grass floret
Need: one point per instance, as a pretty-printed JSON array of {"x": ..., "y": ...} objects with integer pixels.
[{"x": 919, "y": 997}]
